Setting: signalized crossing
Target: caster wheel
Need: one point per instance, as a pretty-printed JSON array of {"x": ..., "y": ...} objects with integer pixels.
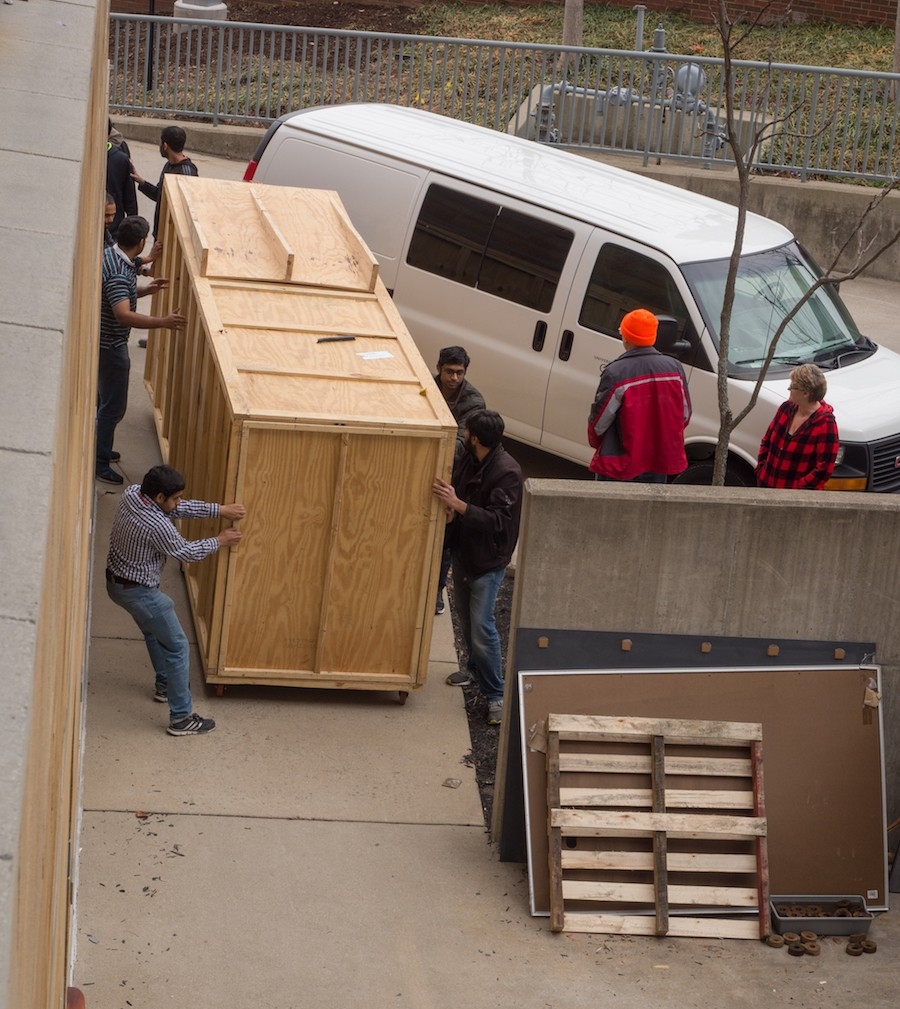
[{"x": 402, "y": 696}]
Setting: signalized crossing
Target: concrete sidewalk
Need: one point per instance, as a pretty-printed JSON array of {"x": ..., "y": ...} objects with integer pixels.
[{"x": 309, "y": 851}]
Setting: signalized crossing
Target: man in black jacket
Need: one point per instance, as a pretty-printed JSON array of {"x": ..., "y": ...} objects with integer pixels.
[
  {"x": 483, "y": 505},
  {"x": 171, "y": 147},
  {"x": 119, "y": 183}
]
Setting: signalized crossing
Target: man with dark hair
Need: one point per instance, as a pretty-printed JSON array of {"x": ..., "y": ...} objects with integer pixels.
[
  {"x": 463, "y": 399},
  {"x": 171, "y": 147},
  {"x": 143, "y": 535},
  {"x": 118, "y": 304},
  {"x": 482, "y": 505}
]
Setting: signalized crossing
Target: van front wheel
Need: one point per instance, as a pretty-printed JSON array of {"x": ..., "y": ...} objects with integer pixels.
[{"x": 701, "y": 473}]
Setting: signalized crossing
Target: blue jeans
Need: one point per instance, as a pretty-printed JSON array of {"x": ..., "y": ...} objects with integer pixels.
[
  {"x": 112, "y": 398},
  {"x": 154, "y": 613},
  {"x": 474, "y": 601}
]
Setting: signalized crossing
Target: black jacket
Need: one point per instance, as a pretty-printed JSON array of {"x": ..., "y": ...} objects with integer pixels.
[
  {"x": 120, "y": 186},
  {"x": 484, "y": 538}
]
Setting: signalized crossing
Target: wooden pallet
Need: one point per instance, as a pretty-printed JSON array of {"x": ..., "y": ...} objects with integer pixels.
[{"x": 656, "y": 827}]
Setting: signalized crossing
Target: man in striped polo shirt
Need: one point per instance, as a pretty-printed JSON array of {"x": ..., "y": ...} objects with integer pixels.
[
  {"x": 143, "y": 535},
  {"x": 118, "y": 301}
]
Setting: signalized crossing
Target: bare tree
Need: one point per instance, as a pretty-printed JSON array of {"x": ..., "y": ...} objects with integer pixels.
[
  {"x": 732, "y": 33},
  {"x": 573, "y": 23}
]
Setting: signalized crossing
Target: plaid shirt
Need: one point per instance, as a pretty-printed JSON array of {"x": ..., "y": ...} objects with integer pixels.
[
  {"x": 803, "y": 460},
  {"x": 143, "y": 535}
]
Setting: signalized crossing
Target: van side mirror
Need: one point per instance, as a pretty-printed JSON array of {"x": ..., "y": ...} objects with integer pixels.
[{"x": 667, "y": 338}]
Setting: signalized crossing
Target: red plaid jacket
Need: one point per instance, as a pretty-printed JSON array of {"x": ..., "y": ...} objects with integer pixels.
[{"x": 803, "y": 460}]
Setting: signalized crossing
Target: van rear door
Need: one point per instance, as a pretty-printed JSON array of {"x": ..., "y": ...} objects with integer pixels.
[
  {"x": 615, "y": 275},
  {"x": 491, "y": 274}
]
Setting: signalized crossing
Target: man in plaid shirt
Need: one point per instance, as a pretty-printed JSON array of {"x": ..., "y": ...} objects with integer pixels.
[
  {"x": 800, "y": 448},
  {"x": 142, "y": 536}
]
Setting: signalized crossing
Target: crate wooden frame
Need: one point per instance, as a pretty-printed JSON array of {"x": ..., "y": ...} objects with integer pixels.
[
  {"x": 296, "y": 389},
  {"x": 607, "y": 780}
]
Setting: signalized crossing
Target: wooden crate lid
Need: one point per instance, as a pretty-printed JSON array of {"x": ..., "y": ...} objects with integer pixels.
[
  {"x": 250, "y": 231},
  {"x": 281, "y": 342},
  {"x": 306, "y": 354}
]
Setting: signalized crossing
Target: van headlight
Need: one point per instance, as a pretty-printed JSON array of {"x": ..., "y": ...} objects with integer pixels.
[{"x": 851, "y": 468}]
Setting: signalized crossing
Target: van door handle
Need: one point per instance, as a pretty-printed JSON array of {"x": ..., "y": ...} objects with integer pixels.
[
  {"x": 540, "y": 334},
  {"x": 565, "y": 347}
]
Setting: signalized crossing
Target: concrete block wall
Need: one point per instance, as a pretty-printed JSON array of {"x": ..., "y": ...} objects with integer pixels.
[{"x": 732, "y": 562}]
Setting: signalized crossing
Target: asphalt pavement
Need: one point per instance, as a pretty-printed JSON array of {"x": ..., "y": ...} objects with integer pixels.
[{"x": 327, "y": 848}]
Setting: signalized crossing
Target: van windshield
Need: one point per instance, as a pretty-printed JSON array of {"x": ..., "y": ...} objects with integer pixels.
[{"x": 768, "y": 285}]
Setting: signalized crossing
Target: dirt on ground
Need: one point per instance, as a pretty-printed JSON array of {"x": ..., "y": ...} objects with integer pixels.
[{"x": 483, "y": 755}]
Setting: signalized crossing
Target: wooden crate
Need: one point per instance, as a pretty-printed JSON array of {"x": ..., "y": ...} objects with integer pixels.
[{"x": 332, "y": 444}]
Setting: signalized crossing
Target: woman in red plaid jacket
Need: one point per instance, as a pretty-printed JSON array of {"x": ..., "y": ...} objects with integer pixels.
[{"x": 801, "y": 445}]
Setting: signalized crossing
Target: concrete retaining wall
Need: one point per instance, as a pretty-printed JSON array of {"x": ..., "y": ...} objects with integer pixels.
[{"x": 732, "y": 562}]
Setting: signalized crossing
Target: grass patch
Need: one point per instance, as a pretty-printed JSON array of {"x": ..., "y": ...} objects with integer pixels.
[{"x": 828, "y": 45}]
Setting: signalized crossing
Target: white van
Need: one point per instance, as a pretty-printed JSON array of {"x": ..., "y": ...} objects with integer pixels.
[{"x": 529, "y": 256}]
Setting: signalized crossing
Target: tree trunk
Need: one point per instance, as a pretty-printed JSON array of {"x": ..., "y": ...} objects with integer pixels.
[
  {"x": 573, "y": 23},
  {"x": 896, "y": 67}
]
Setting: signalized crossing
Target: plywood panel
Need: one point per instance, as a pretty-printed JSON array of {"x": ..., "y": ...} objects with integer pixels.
[
  {"x": 824, "y": 782},
  {"x": 288, "y": 490},
  {"x": 309, "y": 241},
  {"x": 373, "y": 612},
  {"x": 289, "y": 307}
]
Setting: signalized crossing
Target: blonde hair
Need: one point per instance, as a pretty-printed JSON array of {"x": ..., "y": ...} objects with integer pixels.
[{"x": 810, "y": 379}]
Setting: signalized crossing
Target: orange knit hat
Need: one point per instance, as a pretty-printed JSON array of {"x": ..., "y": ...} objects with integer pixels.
[{"x": 639, "y": 327}]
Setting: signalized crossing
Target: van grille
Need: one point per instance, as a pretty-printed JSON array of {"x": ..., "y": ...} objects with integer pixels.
[{"x": 886, "y": 465}]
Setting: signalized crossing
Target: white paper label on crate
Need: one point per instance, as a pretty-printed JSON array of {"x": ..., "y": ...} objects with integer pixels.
[{"x": 374, "y": 355}]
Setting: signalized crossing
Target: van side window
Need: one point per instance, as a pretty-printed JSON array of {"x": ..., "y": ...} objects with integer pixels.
[
  {"x": 495, "y": 249},
  {"x": 622, "y": 280}
]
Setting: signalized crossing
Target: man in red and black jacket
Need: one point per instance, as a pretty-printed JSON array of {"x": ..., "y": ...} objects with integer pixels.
[{"x": 641, "y": 409}]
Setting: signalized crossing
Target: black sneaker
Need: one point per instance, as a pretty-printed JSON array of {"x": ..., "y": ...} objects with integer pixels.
[
  {"x": 439, "y": 605},
  {"x": 193, "y": 725},
  {"x": 114, "y": 457},
  {"x": 160, "y": 695},
  {"x": 461, "y": 678},
  {"x": 108, "y": 475}
]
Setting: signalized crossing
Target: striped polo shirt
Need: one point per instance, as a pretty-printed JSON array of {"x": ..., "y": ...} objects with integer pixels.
[{"x": 118, "y": 282}]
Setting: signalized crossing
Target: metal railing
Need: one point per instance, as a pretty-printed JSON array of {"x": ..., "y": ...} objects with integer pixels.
[{"x": 811, "y": 122}]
